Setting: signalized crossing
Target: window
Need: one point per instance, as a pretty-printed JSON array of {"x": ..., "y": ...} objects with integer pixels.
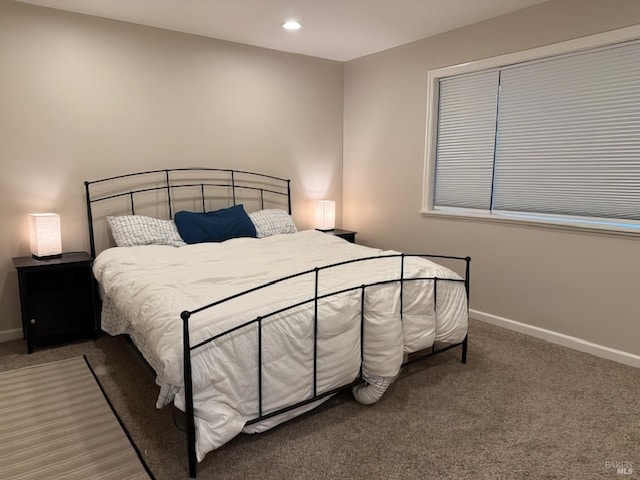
[{"x": 550, "y": 135}]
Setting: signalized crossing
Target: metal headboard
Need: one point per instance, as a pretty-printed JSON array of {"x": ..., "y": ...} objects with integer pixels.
[{"x": 199, "y": 188}]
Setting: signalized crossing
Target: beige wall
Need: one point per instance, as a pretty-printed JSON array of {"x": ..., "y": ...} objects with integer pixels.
[
  {"x": 577, "y": 284},
  {"x": 82, "y": 98}
]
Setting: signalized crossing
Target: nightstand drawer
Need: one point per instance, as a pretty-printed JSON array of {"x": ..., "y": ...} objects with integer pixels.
[{"x": 59, "y": 313}]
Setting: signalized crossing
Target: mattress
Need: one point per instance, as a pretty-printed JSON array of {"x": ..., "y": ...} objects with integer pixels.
[{"x": 145, "y": 289}]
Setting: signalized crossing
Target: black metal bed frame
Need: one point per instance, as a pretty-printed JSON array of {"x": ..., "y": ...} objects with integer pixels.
[{"x": 167, "y": 185}]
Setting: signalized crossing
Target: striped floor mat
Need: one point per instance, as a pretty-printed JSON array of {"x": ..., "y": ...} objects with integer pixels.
[{"x": 56, "y": 423}]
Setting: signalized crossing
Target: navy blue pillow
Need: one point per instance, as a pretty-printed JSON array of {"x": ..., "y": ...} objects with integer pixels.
[{"x": 216, "y": 226}]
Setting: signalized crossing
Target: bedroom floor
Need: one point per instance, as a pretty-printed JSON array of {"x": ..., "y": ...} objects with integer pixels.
[{"x": 521, "y": 408}]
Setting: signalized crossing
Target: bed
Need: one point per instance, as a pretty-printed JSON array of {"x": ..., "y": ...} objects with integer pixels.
[{"x": 250, "y": 329}]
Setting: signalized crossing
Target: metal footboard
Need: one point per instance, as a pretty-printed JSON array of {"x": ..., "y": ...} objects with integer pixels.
[{"x": 188, "y": 348}]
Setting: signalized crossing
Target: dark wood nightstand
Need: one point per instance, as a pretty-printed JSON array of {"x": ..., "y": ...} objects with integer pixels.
[
  {"x": 348, "y": 235},
  {"x": 57, "y": 298}
]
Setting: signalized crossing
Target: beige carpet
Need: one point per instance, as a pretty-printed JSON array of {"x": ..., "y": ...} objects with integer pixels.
[{"x": 56, "y": 423}]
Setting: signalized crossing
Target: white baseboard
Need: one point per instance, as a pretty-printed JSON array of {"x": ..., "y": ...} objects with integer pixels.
[
  {"x": 559, "y": 338},
  {"x": 7, "y": 335}
]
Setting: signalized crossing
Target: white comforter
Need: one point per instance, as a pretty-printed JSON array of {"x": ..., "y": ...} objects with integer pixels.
[{"x": 146, "y": 288}]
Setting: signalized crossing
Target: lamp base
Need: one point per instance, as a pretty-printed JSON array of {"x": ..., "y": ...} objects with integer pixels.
[
  {"x": 325, "y": 229},
  {"x": 46, "y": 257}
]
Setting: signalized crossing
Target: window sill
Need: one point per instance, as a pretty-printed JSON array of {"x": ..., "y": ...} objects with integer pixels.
[{"x": 529, "y": 222}]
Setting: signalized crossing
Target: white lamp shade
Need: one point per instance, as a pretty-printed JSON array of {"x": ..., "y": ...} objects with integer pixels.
[
  {"x": 44, "y": 234},
  {"x": 326, "y": 215}
]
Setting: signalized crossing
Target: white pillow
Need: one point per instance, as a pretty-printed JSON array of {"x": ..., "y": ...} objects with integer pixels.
[
  {"x": 272, "y": 222},
  {"x": 133, "y": 230}
]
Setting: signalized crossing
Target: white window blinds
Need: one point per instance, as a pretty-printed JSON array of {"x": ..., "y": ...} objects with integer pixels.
[
  {"x": 466, "y": 140},
  {"x": 566, "y": 137}
]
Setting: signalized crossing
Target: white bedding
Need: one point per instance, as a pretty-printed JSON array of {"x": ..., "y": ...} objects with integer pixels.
[{"x": 145, "y": 289}]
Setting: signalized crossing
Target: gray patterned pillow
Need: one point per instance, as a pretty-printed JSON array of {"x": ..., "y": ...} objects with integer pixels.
[
  {"x": 272, "y": 222},
  {"x": 133, "y": 230}
]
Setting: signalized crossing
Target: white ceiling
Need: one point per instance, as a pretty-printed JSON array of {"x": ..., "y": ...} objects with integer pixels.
[{"x": 334, "y": 29}]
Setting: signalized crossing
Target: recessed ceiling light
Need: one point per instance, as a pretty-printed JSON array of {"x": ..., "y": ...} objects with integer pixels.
[{"x": 291, "y": 25}]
